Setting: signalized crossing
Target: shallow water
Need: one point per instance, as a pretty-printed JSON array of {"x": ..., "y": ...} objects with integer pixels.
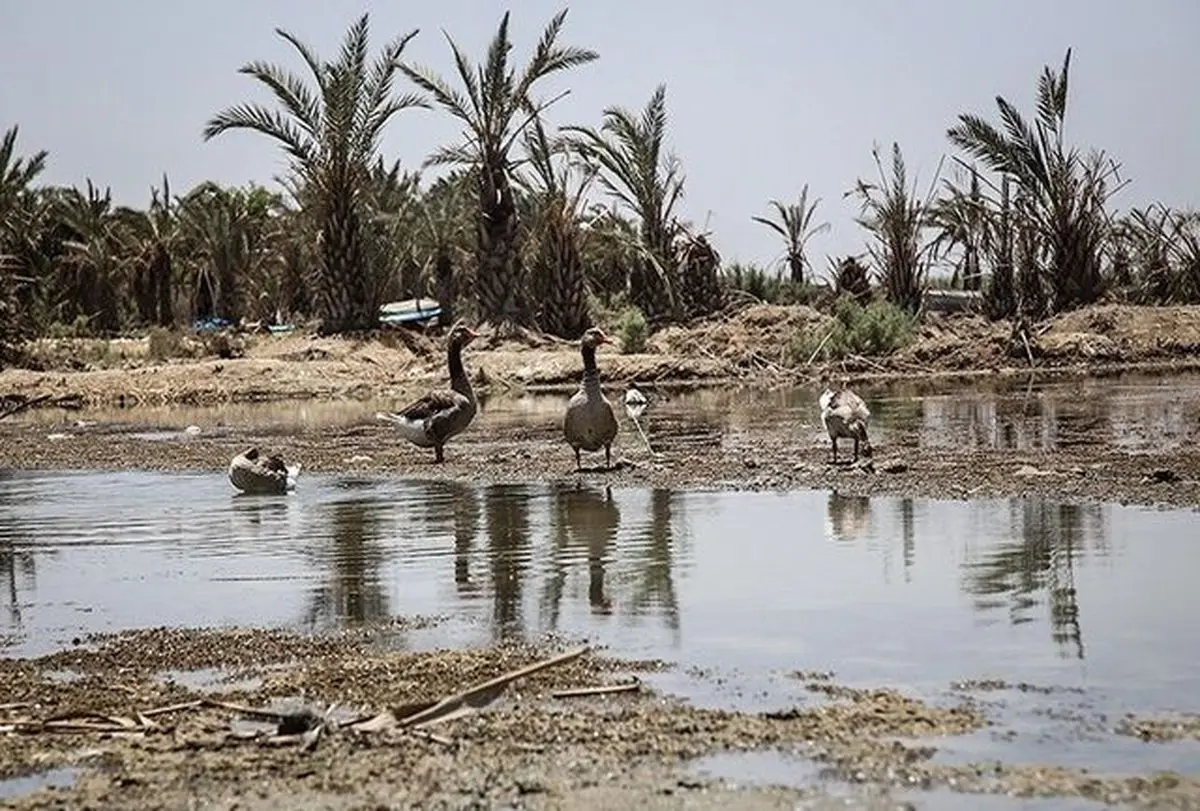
[
  {"x": 1138, "y": 413},
  {"x": 1096, "y": 600}
]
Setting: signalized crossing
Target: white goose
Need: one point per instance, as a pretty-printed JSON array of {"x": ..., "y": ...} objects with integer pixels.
[
  {"x": 252, "y": 473},
  {"x": 845, "y": 415}
]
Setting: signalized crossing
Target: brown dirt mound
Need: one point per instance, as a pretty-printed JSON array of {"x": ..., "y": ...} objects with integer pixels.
[
  {"x": 1123, "y": 332},
  {"x": 751, "y": 338},
  {"x": 958, "y": 342}
]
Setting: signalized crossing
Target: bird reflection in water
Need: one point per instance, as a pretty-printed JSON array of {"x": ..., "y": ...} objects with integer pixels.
[
  {"x": 847, "y": 517},
  {"x": 452, "y": 507},
  {"x": 352, "y": 590},
  {"x": 507, "y": 510},
  {"x": 585, "y": 518}
]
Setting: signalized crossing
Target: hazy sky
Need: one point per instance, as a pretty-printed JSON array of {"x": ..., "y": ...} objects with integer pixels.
[{"x": 763, "y": 96}]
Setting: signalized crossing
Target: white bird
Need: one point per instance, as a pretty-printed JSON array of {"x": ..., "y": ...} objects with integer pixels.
[
  {"x": 845, "y": 415},
  {"x": 635, "y": 402},
  {"x": 251, "y": 473},
  {"x": 635, "y": 406}
]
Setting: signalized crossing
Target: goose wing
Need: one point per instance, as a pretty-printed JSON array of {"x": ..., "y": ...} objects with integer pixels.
[{"x": 432, "y": 404}]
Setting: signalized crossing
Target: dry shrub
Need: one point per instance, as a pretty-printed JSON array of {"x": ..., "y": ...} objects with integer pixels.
[{"x": 744, "y": 338}]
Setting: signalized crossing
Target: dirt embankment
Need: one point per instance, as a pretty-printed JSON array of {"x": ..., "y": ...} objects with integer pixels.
[
  {"x": 752, "y": 343},
  {"x": 342, "y": 721}
]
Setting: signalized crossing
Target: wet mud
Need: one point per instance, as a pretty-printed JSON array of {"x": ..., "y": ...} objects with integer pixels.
[{"x": 154, "y": 743}]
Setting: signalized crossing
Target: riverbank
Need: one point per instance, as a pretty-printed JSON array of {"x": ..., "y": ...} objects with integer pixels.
[{"x": 760, "y": 343}]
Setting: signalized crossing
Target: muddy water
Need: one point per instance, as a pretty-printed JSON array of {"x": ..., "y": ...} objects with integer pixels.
[
  {"x": 1096, "y": 602},
  {"x": 1140, "y": 414}
]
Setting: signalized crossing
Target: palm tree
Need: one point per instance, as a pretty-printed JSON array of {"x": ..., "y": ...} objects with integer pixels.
[
  {"x": 152, "y": 237},
  {"x": 16, "y": 210},
  {"x": 331, "y": 136},
  {"x": 896, "y": 219},
  {"x": 557, "y": 193},
  {"x": 962, "y": 219},
  {"x": 496, "y": 106},
  {"x": 795, "y": 225},
  {"x": 1062, "y": 194},
  {"x": 91, "y": 265},
  {"x": 230, "y": 241},
  {"x": 637, "y": 171}
]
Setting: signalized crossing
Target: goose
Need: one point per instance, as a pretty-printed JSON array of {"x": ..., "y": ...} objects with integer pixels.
[
  {"x": 845, "y": 415},
  {"x": 253, "y": 473},
  {"x": 439, "y": 415},
  {"x": 590, "y": 423}
]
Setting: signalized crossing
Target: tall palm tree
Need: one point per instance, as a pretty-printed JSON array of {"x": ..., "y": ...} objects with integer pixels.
[
  {"x": 639, "y": 173},
  {"x": 1064, "y": 193},
  {"x": 795, "y": 225},
  {"x": 331, "y": 135},
  {"x": 496, "y": 106}
]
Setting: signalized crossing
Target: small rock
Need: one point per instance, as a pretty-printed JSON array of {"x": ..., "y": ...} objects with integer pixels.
[
  {"x": 1028, "y": 471},
  {"x": 893, "y": 466},
  {"x": 57, "y": 437},
  {"x": 359, "y": 459},
  {"x": 750, "y": 463},
  {"x": 192, "y": 430}
]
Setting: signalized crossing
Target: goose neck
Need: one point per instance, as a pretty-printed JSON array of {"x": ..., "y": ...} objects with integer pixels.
[{"x": 459, "y": 381}]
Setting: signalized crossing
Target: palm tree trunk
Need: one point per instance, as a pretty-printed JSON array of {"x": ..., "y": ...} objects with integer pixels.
[
  {"x": 560, "y": 265},
  {"x": 443, "y": 274},
  {"x": 701, "y": 290},
  {"x": 160, "y": 272},
  {"x": 343, "y": 302},
  {"x": 499, "y": 277}
]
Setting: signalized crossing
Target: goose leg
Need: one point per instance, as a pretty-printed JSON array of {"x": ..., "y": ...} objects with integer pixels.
[
  {"x": 438, "y": 454},
  {"x": 833, "y": 442},
  {"x": 578, "y": 461},
  {"x": 856, "y": 449},
  {"x": 608, "y": 457}
]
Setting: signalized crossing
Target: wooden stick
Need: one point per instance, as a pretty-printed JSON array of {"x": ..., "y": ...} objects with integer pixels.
[
  {"x": 187, "y": 705},
  {"x": 816, "y": 351},
  {"x": 266, "y": 715},
  {"x": 456, "y": 702},
  {"x": 597, "y": 691},
  {"x": 432, "y": 737}
]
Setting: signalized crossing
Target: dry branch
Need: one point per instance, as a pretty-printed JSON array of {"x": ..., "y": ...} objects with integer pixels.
[{"x": 605, "y": 689}]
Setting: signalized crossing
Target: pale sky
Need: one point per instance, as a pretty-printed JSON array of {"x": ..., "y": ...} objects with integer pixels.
[{"x": 763, "y": 96}]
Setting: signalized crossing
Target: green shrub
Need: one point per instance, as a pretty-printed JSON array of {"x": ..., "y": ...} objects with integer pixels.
[
  {"x": 878, "y": 329},
  {"x": 768, "y": 287},
  {"x": 633, "y": 330}
]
